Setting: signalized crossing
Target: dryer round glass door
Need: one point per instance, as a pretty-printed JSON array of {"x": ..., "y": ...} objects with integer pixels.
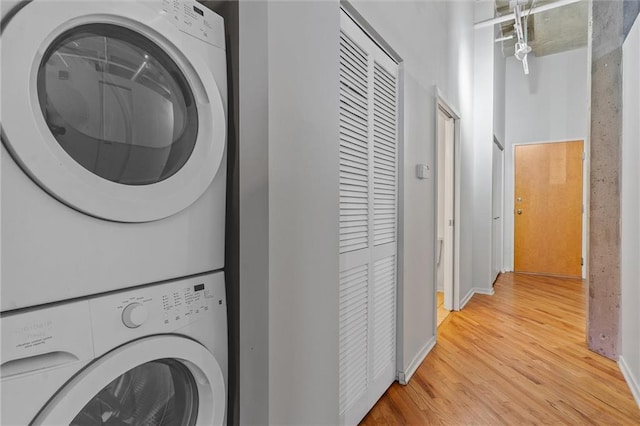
[
  {"x": 117, "y": 104},
  {"x": 111, "y": 108},
  {"x": 160, "y": 380}
]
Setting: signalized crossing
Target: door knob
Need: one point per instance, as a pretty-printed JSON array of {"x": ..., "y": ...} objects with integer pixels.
[{"x": 519, "y": 211}]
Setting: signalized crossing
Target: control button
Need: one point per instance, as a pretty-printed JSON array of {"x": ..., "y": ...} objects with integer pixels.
[{"x": 134, "y": 315}]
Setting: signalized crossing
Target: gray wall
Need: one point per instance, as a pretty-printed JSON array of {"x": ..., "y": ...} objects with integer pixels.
[{"x": 630, "y": 206}]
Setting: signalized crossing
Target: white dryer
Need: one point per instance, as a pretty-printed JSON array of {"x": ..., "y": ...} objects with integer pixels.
[
  {"x": 155, "y": 355},
  {"x": 113, "y": 146}
]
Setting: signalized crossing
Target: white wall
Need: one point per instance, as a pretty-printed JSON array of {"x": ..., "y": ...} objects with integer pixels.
[
  {"x": 289, "y": 114},
  {"x": 630, "y": 206},
  {"x": 254, "y": 214},
  {"x": 499, "y": 127},
  {"x": 461, "y": 63},
  {"x": 288, "y": 212},
  {"x": 483, "y": 129},
  {"x": 499, "y": 89},
  {"x": 550, "y": 104},
  {"x": 303, "y": 212}
]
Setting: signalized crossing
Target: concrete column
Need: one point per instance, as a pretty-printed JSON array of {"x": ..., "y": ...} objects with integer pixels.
[{"x": 608, "y": 20}]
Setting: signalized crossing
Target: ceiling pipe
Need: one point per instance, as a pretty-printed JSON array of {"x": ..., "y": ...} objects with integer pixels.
[
  {"x": 512, "y": 16},
  {"x": 505, "y": 38}
]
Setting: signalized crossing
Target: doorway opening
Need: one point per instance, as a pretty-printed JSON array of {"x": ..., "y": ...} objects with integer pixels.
[{"x": 447, "y": 130}]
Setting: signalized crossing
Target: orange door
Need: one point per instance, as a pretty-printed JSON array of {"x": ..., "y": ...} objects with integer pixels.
[{"x": 548, "y": 208}]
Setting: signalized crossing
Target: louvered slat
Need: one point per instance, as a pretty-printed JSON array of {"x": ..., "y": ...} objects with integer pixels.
[
  {"x": 353, "y": 66},
  {"x": 354, "y": 316},
  {"x": 383, "y": 311},
  {"x": 354, "y": 147},
  {"x": 384, "y": 156}
]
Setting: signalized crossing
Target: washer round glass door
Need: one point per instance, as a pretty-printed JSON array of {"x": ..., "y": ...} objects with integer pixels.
[
  {"x": 162, "y": 392},
  {"x": 112, "y": 109},
  {"x": 160, "y": 380}
]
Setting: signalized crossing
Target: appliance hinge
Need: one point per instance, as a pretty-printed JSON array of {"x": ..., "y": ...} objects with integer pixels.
[
  {"x": 584, "y": 155},
  {"x": 582, "y": 261}
]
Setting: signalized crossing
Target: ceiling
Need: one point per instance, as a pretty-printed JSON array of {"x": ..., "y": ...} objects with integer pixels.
[{"x": 552, "y": 31}]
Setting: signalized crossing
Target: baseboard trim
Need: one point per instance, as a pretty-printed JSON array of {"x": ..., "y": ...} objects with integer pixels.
[
  {"x": 405, "y": 376},
  {"x": 631, "y": 380},
  {"x": 485, "y": 291},
  {"x": 466, "y": 298},
  {"x": 476, "y": 290}
]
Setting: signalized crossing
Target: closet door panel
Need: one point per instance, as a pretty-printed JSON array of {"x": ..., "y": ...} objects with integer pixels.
[{"x": 368, "y": 221}]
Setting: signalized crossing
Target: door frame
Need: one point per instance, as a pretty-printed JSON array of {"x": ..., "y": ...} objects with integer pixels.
[
  {"x": 358, "y": 20},
  {"x": 442, "y": 104},
  {"x": 510, "y": 207},
  {"x": 501, "y": 147}
]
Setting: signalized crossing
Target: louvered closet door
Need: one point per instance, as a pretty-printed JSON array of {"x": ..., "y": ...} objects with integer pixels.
[{"x": 368, "y": 221}]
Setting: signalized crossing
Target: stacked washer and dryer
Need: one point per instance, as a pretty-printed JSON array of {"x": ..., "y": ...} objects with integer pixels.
[{"x": 113, "y": 182}]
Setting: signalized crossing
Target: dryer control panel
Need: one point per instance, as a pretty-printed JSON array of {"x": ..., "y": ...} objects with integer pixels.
[
  {"x": 196, "y": 20},
  {"x": 155, "y": 309}
]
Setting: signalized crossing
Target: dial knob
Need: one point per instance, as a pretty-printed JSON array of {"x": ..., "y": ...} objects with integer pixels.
[{"x": 134, "y": 315}]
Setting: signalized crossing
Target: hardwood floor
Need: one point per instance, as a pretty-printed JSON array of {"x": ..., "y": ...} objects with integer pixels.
[
  {"x": 442, "y": 313},
  {"x": 517, "y": 357}
]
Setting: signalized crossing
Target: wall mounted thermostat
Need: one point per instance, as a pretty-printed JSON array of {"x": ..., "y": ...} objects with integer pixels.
[{"x": 423, "y": 171}]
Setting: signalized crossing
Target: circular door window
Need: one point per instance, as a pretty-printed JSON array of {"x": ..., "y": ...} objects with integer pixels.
[
  {"x": 117, "y": 104},
  {"x": 112, "y": 110},
  {"x": 161, "y": 393},
  {"x": 157, "y": 380}
]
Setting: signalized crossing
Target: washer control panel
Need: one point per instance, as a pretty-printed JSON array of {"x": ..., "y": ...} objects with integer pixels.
[
  {"x": 134, "y": 315},
  {"x": 155, "y": 309}
]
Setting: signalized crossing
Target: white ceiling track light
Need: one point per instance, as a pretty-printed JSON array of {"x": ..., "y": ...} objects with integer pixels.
[{"x": 521, "y": 21}]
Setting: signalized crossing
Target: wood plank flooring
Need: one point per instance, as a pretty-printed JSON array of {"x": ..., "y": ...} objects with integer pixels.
[
  {"x": 517, "y": 357},
  {"x": 442, "y": 313}
]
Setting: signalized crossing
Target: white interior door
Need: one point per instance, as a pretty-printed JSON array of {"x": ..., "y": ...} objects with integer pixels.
[
  {"x": 447, "y": 256},
  {"x": 446, "y": 180},
  {"x": 368, "y": 221},
  {"x": 497, "y": 207}
]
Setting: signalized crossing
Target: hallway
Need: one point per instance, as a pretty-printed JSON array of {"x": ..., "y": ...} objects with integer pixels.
[{"x": 516, "y": 357}]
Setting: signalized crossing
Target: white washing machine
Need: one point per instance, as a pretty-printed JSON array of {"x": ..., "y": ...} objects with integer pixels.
[
  {"x": 154, "y": 355},
  {"x": 113, "y": 146}
]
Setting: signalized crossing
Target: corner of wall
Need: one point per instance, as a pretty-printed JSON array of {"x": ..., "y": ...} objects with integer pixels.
[
  {"x": 406, "y": 375},
  {"x": 253, "y": 206},
  {"x": 632, "y": 382},
  {"x": 629, "y": 360}
]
